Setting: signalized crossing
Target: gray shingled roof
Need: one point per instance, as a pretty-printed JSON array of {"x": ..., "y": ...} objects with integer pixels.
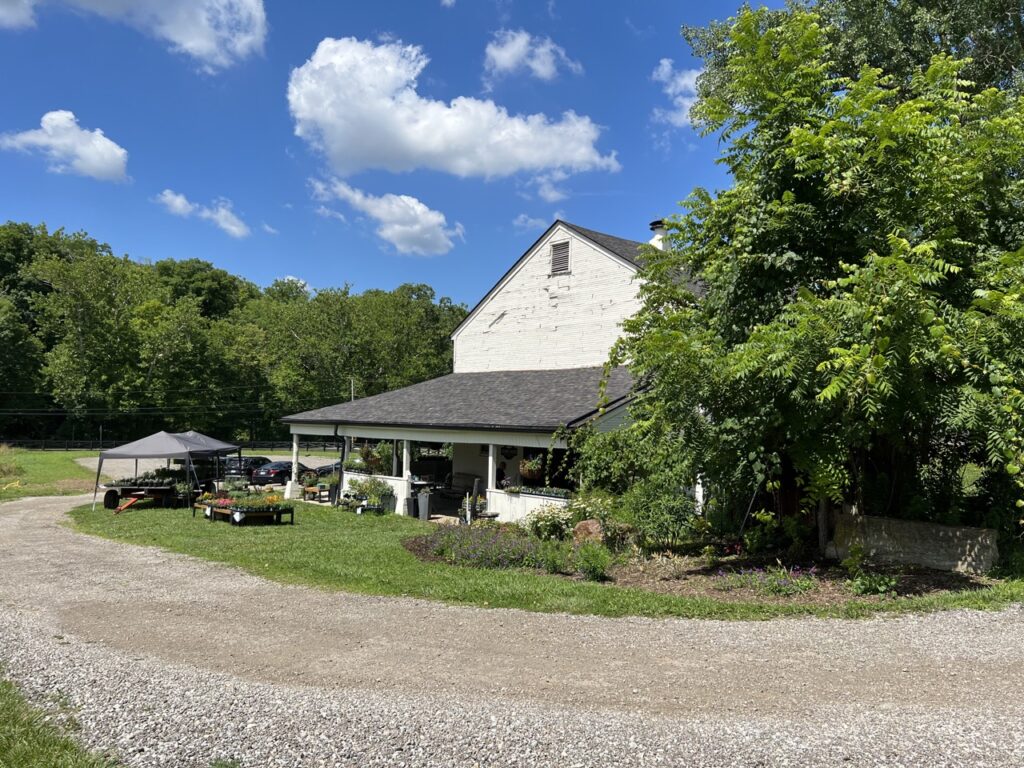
[
  {"x": 620, "y": 246},
  {"x": 526, "y": 401}
]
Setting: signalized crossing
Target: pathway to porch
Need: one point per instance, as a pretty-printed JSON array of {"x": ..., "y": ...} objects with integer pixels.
[{"x": 178, "y": 661}]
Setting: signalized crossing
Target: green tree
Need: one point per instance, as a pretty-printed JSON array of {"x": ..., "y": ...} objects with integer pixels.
[
  {"x": 899, "y": 37},
  {"x": 218, "y": 291},
  {"x": 20, "y": 374},
  {"x": 861, "y": 285}
]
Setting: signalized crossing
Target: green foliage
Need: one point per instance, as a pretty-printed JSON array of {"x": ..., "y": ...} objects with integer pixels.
[
  {"x": 551, "y": 522},
  {"x": 861, "y": 281},
  {"x": 30, "y": 739},
  {"x": 9, "y": 466},
  {"x": 182, "y": 344},
  {"x": 366, "y": 554},
  {"x": 593, "y": 560},
  {"x": 661, "y": 513},
  {"x": 555, "y": 556},
  {"x": 864, "y": 581},
  {"x": 775, "y": 580},
  {"x": 373, "y": 489}
]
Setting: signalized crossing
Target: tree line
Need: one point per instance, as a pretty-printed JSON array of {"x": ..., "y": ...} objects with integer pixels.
[{"x": 96, "y": 341}]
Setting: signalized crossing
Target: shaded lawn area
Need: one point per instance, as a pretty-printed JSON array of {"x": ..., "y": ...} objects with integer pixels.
[
  {"x": 44, "y": 473},
  {"x": 29, "y": 740},
  {"x": 339, "y": 550}
]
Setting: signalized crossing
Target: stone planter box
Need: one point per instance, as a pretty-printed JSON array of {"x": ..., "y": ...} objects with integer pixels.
[{"x": 910, "y": 542}]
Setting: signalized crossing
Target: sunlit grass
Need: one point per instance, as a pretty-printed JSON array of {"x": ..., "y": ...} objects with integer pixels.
[
  {"x": 28, "y": 740},
  {"x": 43, "y": 473},
  {"x": 338, "y": 550}
]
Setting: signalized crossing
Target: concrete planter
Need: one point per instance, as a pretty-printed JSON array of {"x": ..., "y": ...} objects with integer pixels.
[{"x": 910, "y": 542}]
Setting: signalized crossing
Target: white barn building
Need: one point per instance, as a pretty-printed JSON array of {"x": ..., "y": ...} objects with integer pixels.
[{"x": 528, "y": 361}]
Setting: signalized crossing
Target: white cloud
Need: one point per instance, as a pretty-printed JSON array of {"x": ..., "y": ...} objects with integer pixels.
[
  {"x": 220, "y": 213},
  {"x": 512, "y": 51},
  {"x": 525, "y": 223},
  {"x": 357, "y": 102},
  {"x": 329, "y": 213},
  {"x": 16, "y": 13},
  {"x": 402, "y": 220},
  {"x": 71, "y": 149},
  {"x": 547, "y": 186},
  {"x": 680, "y": 85},
  {"x": 269, "y": 229},
  {"x": 175, "y": 203},
  {"x": 448, "y": 3},
  {"x": 215, "y": 32}
]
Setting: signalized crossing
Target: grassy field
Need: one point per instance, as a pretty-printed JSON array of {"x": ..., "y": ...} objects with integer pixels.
[
  {"x": 342, "y": 551},
  {"x": 42, "y": 473},
  {"x": 28, "y": 740}
]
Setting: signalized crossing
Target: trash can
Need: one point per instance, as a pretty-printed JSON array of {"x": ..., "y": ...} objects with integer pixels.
[{"x": 424, "y": 505}]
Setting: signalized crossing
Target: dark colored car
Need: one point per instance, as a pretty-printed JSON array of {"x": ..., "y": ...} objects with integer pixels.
[
  {"x": 329, "y": 469},
  {"x": 276, "y": 473},
  {"x": 243, "y": 467}
]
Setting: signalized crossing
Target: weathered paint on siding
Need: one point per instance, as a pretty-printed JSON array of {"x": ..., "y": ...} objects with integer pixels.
[{"x": 539, "y": 321}]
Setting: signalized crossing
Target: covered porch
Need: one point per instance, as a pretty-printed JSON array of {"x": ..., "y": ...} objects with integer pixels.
[{"x": 490, "y": 422}]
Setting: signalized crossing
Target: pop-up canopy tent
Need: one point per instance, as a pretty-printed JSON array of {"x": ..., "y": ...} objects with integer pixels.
[{"x": 166, "y": 445}]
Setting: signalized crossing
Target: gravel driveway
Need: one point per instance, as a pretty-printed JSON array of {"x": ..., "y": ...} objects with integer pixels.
[{"x": 174, "y": 661}]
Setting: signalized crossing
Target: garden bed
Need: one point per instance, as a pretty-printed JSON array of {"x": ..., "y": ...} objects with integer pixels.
[{"x": 753, "y": 582}]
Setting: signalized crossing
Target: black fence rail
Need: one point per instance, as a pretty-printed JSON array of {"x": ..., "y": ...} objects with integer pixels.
[{"x": 268, "y": 446}]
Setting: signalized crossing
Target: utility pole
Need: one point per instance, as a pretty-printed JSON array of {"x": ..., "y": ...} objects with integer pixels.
[{"x": 352, "y": 387}]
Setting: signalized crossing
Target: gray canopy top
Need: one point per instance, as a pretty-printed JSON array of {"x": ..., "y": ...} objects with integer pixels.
[{"x": 170, "y": 445}]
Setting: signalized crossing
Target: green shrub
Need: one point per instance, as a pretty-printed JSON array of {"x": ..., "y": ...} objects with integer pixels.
[
  {"x": 550, "y": 522},
  {"x": 777, "y": 580},
  {"x": 555, "y": 557},
  {"x": 483, "y": 545},
  {"x": 862, "y": 581},
  {"x": 662, "y": 514},
  {"x": 373, "y": 488},
  {"x": 593, "y": 560}
]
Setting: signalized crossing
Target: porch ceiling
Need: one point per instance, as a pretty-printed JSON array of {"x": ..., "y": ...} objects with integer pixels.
[{"x": 507, "y": 401}]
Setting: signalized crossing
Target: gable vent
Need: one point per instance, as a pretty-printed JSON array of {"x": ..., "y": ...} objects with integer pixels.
[{"x": 559, "y": 258}]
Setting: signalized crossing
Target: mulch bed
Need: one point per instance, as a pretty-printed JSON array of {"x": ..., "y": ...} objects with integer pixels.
[{"x": 694, "y": 577}]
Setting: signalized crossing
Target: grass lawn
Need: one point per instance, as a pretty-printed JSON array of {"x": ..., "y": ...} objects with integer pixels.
[
  {"x": 342, "y": 551},
  {"x": 28, "y": 740},
  {"x": 43, "y": 473}
]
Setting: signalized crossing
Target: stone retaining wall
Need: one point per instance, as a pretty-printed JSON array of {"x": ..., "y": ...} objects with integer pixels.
[{"x": 943, "y": 547}]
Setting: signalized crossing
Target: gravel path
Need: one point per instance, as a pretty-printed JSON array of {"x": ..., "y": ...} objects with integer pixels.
[{"x": 174, "y": 661}]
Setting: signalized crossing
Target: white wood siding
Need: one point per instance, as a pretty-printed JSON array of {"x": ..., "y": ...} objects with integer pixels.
[{"x": 539, "y": 321}]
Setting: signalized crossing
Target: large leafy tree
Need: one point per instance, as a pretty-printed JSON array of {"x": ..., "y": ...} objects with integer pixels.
[
  {"x": 861, "y": 280},
  {"x": 898, "y": 37}
]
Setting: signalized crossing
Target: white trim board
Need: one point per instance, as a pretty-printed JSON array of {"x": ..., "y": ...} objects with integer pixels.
[{"x": 426, "y": 435}]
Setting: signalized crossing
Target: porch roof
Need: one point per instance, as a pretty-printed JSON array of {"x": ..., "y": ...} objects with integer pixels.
[{"x": 524, "y": 401}]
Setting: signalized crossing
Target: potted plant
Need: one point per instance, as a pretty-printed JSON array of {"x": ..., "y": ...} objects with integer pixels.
[
  {"x": 532, "y": 469},
  {"x": 377, "y": 493}
]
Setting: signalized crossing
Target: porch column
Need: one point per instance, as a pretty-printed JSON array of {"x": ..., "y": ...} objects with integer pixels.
[
  {"x": 394, "y": 458},
  {"x": 295, "y": 458},
  {"x": 406, "y": 459},
  {"x": 492, "y": 466}
]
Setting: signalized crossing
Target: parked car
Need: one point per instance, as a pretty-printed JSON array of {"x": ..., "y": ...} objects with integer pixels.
[
  {"x": 241, "y": 468},
  {"x": 329, "y": 469},
  {"x": 275, "y": 473}
]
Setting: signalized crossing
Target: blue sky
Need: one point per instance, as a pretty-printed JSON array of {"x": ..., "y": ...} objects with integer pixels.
[{"x": 368, "y": 143}]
